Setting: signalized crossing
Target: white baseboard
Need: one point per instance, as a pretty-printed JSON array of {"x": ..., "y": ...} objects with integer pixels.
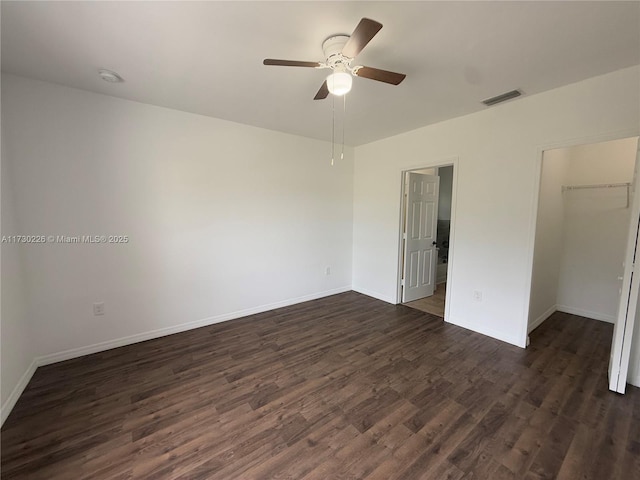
[
  {"x": 512, "y": 339},
  {"x": 538, "y": 321},
  {"x": 5, "y": 410},
  {"x": 586, "y": 313},
  {"x": 162, "y": 332},
  {"x": 376, "y": 295}
]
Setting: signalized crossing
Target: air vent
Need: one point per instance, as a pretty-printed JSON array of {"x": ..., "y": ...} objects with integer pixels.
[{"x": 502, "y": 98}]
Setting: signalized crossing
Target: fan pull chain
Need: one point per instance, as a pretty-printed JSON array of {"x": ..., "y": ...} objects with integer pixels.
[
  {"x": 333, "y": 127},
  {"x": 344, "y": 120}
]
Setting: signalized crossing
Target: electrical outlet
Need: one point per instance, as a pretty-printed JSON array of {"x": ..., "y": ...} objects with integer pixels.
[
  {"x": 98, "y": 308},
  {"x": 477, "y": 295},
  {"x": 327, "y": 271}
]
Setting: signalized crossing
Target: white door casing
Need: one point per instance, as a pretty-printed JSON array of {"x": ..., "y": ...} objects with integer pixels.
[
  {"x": 623, "y": 328},
  {"x": 421, "y": 221}
]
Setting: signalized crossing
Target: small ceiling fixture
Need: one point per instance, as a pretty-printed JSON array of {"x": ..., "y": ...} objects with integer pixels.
[{"x": 109, "y": 76}]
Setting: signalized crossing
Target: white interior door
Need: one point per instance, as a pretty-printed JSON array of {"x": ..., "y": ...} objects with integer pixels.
[
  {"x": 623, "y": 329},
  {"x": 421, "y": 221}
]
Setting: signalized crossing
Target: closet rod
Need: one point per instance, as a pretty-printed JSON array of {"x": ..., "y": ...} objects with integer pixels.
[{"x": 600, "y": 185}]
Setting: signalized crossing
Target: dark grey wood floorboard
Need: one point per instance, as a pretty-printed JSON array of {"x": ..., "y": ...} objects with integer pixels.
[{"x": 344, "y": 387}]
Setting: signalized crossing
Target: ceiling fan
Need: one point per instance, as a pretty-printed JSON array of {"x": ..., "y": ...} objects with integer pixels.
[{"x": 339, "y": 51}]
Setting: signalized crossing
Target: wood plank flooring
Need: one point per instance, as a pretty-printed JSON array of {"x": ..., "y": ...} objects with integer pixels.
[{"x": 345, "y": 387}]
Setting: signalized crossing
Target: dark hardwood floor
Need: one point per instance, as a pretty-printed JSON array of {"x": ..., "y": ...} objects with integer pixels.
[{"x": 344, "y": 387}]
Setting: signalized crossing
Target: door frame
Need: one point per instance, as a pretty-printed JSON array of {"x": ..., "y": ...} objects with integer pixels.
[
  {"x": 619, "y": 135},
  {"x": 444, "y": 162},
  {"x": 623, "y": 329}
]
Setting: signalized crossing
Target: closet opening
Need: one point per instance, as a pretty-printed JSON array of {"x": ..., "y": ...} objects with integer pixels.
[{"x": 585, "y": 220}]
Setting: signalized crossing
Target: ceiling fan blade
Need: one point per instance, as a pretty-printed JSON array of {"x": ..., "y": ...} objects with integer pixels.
[
  {"x": 362, "y": 35},
  {"x": 380, "y": 75},
  {"x": 289, "y": 63},
  {"x": 323, "y": 92}
]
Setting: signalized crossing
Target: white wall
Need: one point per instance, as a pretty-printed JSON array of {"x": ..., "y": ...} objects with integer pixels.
[
  {"x": 595, "y": 227},
  {"x": 223, "y": 219},
  {"x": 549, "y": 234},
  {"x": 603, "y": 162},
  {"x": 497, "y": 171},
  {"x": 16, "y": 347}
]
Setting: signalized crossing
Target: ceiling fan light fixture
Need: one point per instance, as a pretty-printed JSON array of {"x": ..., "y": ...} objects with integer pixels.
[{"x": 339, "y": 83}]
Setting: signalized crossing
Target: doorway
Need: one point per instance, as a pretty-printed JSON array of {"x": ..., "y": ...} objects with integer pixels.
[
  {"x": 427, "y": 199},
  {"x": 585, "y": 214}
]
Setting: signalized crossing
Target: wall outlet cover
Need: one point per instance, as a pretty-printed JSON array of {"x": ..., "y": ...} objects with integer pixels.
[{"x": 98, "y": 308}]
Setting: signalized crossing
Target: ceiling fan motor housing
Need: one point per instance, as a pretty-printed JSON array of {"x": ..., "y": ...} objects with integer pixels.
[{"x": 332, "y": 48}]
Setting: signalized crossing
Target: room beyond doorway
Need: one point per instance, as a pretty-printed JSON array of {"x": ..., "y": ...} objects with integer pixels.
[{"x": 433, "y": 304}]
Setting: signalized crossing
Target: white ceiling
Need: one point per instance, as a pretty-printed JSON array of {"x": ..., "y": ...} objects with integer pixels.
[{"x": 206, "y": 57}]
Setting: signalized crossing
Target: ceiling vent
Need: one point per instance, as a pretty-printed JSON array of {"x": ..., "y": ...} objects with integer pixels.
[{"x": 502, "y": 98}]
